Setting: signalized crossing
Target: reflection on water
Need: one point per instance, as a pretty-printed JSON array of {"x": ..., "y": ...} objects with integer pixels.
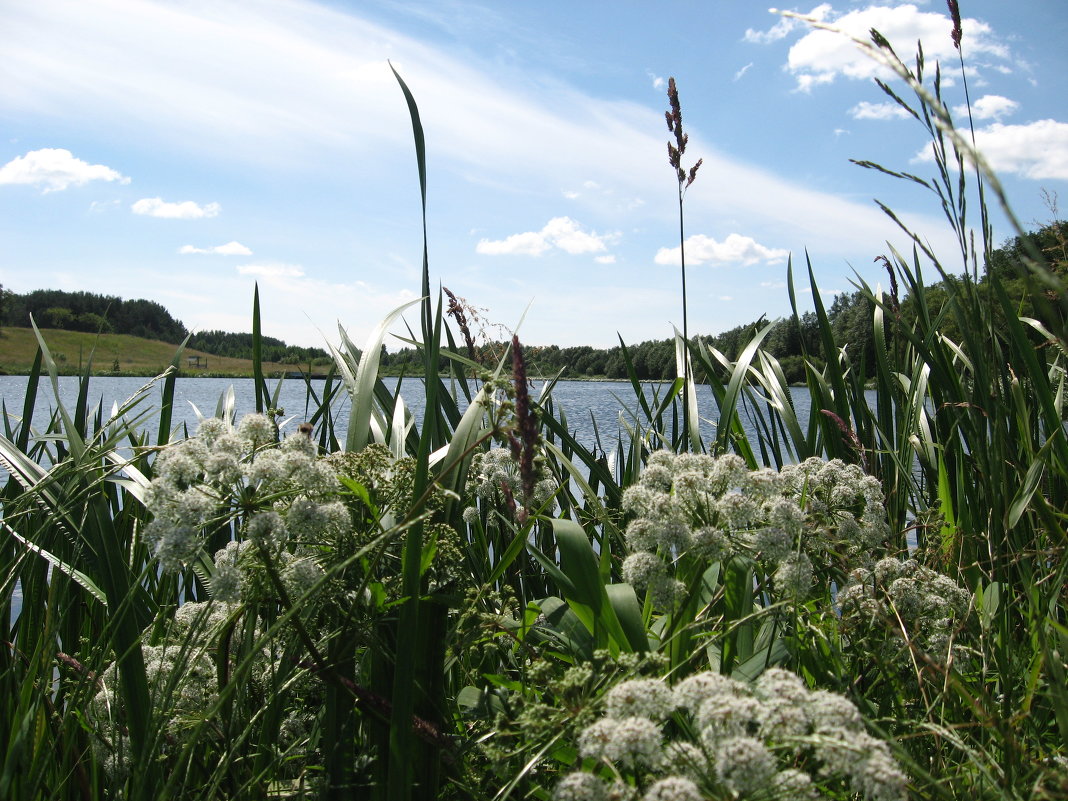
[{"x": 594, "y": 409}]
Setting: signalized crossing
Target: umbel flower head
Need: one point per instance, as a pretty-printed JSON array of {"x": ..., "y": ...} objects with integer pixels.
[
  {"x": 774, "y": 735},
  {"x": 796, "y": 523},
  {"x": 279, "y": 496}
]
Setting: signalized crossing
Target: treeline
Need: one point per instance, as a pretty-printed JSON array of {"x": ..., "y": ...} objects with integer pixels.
[
  {"x": 107, "y": 314},
  {"x": 239, "y": 346},
  {"x": 88, "y": 311},
  {"x": 791, "y": 340}
]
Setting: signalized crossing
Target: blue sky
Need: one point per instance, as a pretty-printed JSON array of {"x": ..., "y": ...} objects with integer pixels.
[{"x": 181, "y": 151}]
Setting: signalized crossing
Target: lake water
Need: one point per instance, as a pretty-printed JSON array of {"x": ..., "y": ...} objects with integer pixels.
[{"x": 592, "y": 407}]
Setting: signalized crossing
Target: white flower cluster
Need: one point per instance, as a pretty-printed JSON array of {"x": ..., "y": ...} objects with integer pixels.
[
  {"x": 775, "y": 735},
  {"x": 181, "y": 681},
  {"x": 284, "y": 491},
  {"x": 920, "y": 604},
  {"x": 496, "y": 469},
  {"x": 714, "y": 508}
]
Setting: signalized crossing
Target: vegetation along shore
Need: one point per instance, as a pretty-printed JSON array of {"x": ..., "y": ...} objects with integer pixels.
[{"x": 867, "y": 601}]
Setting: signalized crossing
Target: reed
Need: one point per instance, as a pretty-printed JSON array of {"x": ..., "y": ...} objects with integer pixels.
[{"x": 480, "y": 606}]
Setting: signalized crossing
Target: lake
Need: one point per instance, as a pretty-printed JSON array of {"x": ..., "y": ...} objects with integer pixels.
[{"x": 592, "y": 407}]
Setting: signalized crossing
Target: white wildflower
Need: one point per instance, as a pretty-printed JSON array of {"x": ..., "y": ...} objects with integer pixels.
[
  {"x": 268, "y": 467},
  {"x": 266, "y": 528},
  {"x": 832, "y": 713},
  {"x": 656, "y": 478},
  {"x": 227, "y": 583},
  {"x": 627, "y": 741},
  {"x": 744, "y": 764},
  {"x": 580, "y": 786},
  {"x": 642, "y": 569},
  {"x": 784, "y": 699},
  {"x": 727, "y": 715},
  {"x": 256, "y": 429},
  {"x": 793, "y": 578},
  {"x": 673, "y": 788},
  {"x": 299, "y": 443},
  {"x": 710, "y": 543},
  {"x": 686, "y": 758},
  {"x": 300, "y": 575},
  {"x": 738, "y": 510},
  {"x": 772, "y": 543},
  {"x": 176, "y": 545},
  {"x": 794, "y": 785},
  {"x": 211, "y": 428},
  {"x": 645, "y": 698},
  {"x": 694, "y": 690}
]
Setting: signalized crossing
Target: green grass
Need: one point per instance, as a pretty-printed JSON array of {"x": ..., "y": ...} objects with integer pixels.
[
  {"x": 72, "y": 351},
  {"x": 377, "y": 613}
]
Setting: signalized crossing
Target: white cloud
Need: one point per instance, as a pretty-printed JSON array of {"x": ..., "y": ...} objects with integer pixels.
[
  {"x": 658, "y": 82},
  {"x": 229, "y": 249},
  {"x": 738, "y": 75},
  {"x": 55, "y": 169},
  {"x": 735, "y": 248},
  {"x": 726, "y": 297},
  {"x": 1037, "y": 150},
  {"x": 272, "y": 270},
  {"x": 773, "y": 284},
  {"x": 988, "y": 107},
  {"x": 821, "y": 56},
  {"x": 185, "y": 210},
  {"x": 609, "y": 259},
  {"x": 560, "y": 232},
  {"x": 865, "y": 110},
  {"x": 782, "y": 28}
]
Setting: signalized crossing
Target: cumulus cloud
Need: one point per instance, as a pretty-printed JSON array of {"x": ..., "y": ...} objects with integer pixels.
[
  {"x": 877, "y": 111},
  {"x": 272, "y": 270},
  {"x": 735, "y": 249},
  {"x": 821, "y": 56},
  {"x": 560, "y": 232},
  {"x": 989, "y": 107},
  {"x": 229, "y": 249},
  {"x": 185, "y": 210},
  {"x": 1037, "y": 150},
  {"x": 55, "y": 169}
]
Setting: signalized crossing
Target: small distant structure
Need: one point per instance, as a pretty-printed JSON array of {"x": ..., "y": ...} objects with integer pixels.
[{"x": 196, "y": 362}]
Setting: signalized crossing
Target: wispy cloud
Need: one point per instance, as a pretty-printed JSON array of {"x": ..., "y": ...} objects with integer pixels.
[
  {"x": 229, "y": 249},
  {"x": 560, "y": 232},
  {"x": 295, "y": 84},
  {"x": 55, "y": 169},
  {"x": 735, "y": 249},
  {"x": 738, "y": 75},
  {"x": 183, "y": 210},
  {"x": 272, "y": 270},
  {"x": 1037, "y": 150}
]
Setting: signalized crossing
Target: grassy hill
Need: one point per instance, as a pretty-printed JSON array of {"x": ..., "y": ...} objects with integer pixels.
[{"x": 135, "y": 356}]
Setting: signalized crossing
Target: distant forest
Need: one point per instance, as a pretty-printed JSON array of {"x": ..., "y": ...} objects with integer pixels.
[{"x": 791, "y": 340}]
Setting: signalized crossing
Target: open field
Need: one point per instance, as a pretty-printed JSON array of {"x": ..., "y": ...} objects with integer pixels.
[{"x": 112, "y": 353}]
